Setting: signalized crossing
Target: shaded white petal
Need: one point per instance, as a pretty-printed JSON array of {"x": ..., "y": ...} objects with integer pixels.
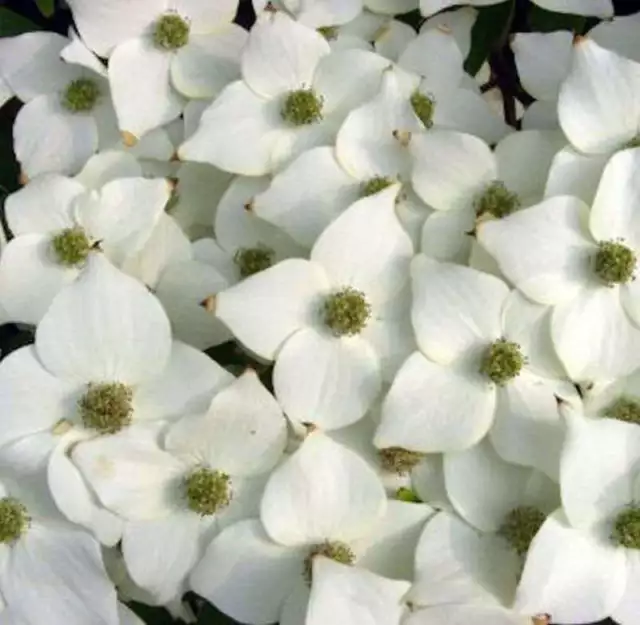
[
  {"x": 105, "y": 326},
  {"x": 558, "y": 249},
  {"x": 392, "y": 39},
  {"x": 325, "y": 380},
  {"x": 458, "y": 419},
  {"x": 446, "y": 235},
  {"x": 268, "y": 307},
  {"x": 570, "y": 574},
  {"x": 627, "y": 608},
  {"x": 246, "y": 575},
  {"x": 620, "y": 35},
  {"x": 541, "y": 115},
  {"x": 316, "y": 13},
  {"x": 205, "y": 16},
  {"x": 427, "y": 479},
  {"x": 466, "y": 615},
  {"x": 455, "y": 309},
  {"x": 597, "y": 8},
  {"x": 322, "y": 492},
  {"x": 598, "y": 105},
  {"x": 106, "y": 166},
  {"x": 281, "y": 55},
  {"x": 391, "y": 7},
  {"x": 463, "y": 167}
]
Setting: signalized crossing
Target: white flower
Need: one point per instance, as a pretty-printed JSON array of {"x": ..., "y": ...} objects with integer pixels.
[
  {"x": 468, "y": 182},
  {"x": 206, "y": 472},
  {"x": 619, "y": 35},
  {"x": 330, "y": 322},
  {"x": 57, "y": 223},
  {"x": 583, "y": 564},
  {"x": 583, "y": 264},
  {"x": 597, "y": 8},
  {"x": 51, "y": 570},
  {"x": 599, "y": 111},
  {"x": 294, "y": 95}
]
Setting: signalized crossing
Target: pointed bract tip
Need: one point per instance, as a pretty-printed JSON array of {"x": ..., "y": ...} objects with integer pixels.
[
  {"x": 560, "y": 400},
  {"x": 173, "y": 183},
  {"x": 310, "y": 427},
  {"x": 381, "y": 32},
  {"x": 129, "y": 139},
  {"x": 579, "y": 39},
  {"x": 175, "y": 157},
  {"x": 403, "y": 137},
  {"x": 541, "y": 619},
  {"x": 248, "y": 206},
  {"x": 209, "y": 304},
  {"x": 23, "y": 179}
]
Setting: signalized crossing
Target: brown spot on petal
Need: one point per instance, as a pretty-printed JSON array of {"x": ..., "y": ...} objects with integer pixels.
[
  {"x": 402, "y": 136},
  {"x": 209, "y": 303},
  {"x": 129, "y": 139},
  {"x": 175, "y": 157},
  {"x": 23, "y": 178},
  {"x": 249, "y": 206},
  {"x": 541, "y": 619},
  {"x": 579, "y": 39}
]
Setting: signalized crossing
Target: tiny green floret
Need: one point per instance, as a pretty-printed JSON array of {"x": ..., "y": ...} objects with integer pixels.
[
  {"x": 399, "y": 460},
  {"x": 251, "y": 260},
  {"x": 106, "y": 407},
  {"x": 424, "y": 107},
  {"x": 81, "y": 95},
  {"x": 623, "y": 409},
  {"x": 626, "y": 528},
  {"x": 329, "y": 32},
  {"x": 207, "y": 491},
  {"x": 335, "y": 550},
  {"x": 71, "y": 247},
  {"x": 14, "y": 520},
  {"x": 502, "y": 362},
  {"x": 407, "y": 495},
  {"x": 375, "y": 185},
  {"x": 302, "y": 107},
  {"x": 497, "y": 201},
  {"x": 171, "y": 32},
  {"x": 520, "y": 527},
  {"x": 347, "y": 312},
  {"x": 614, "y": 263}
]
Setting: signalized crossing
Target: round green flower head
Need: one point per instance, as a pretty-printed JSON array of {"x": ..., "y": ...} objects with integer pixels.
[
  {"x": 623, "y": 409},
  {"x": 614, "y": 263},
  {"x": 302, "y": 107},
  {"x": 251, "y": 260},
  {"x": 71, "y": 247},
  {"x": 14, "y": 520},
  {"x": 346, "y": 312},
  {"x": 520, "y": 527},
  {"x": 424, "y": 108},
  {"x": 329, "y": 32},
  {"x": 171, "y": 32},
  {"x": 106, "y": 407},
  {"x": 502, "y": 362},
  {"x": 399, "y": 460},
  {"x": 497, "y": 201},
  {"x": 207, "y": 491},
  {"x": 375, "y": 185},
  {"x": 81, "y": 95},
  {"x": 408, "y": 495},
  {"x": 335, "y": 550},
  {"x": 626, "y": 528}
]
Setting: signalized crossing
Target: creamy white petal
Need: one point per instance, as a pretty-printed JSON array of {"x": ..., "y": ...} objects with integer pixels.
[
  {"x": 205, "y": 16},
  {"x": 246, "y": 575},
  {"x": 268, "y": 307},
  {"x": 316, "y": 13},
  {"x": 459, "y": 418},
  {"x": 598, "y": 105},
  {"x": 597, "y": 8},
  {"x": 466, "y": 615},
  {"x": 392, "y": 39},
  {"x": 455, "y": 309},
  {"x": 104, "y": 327},
  {"x": 322, "y": 492},
  {"x": 628, "y": 607},
  {"x": 391, "y": 7},
  {"x": 446, "y": 235},
  {"x": 106, "y": 166},
  {"x": 619, "y": 34},
  {"x": 541, "y": 115}
]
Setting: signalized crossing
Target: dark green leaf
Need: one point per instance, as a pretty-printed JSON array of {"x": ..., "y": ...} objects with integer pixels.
[
  {"x": 8, "y": 166},
  {"x": 46, "y": 7},
  {"x": 210, "y": 616},
  {"x": 489, "y": 33},
  {"x": 153, "y": 616},
  {"x": 13, "y": 24},
  {"x": 546, "y": 21},
  {"x": 413, "y": 18}
]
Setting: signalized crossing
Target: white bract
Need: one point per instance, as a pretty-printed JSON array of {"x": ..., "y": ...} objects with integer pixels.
[{"x": 598, "y": 8}]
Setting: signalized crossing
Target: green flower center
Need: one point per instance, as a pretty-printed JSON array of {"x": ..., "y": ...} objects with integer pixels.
[
  {"x": 399, "y": 460},
  {"x": 497, "y": 200},
  {"x": 302, "y": 107},
  {"x": 171, "y": 32},
  {"x": 81, "y": 95},
  {"x": 623, "y": 409},
  {"x": 14, "y": 520},
  {"x": 106, "y": 407},
  {"x": 375, "y": 185},
  {"x": 424, "y": 107},
  {"x": 408, "y": 495},
  {"x": 253, "y": 259},
  {"x": 626, "y": 528},
  {"x": 520, "y": 527},
  {"x": 502, "y": 362},
  {"x": 346, "y": 312},
  {"x": 335, "y": 550},
  {"x": 207, "y": 491},
  {"x": 329, "y": 32},
  {"x": 614, "y": 263},
  {"x": 71, "y": 247}
]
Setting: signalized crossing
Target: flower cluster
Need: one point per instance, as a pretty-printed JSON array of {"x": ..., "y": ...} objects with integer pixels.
[{"x": 440, "y": 421}]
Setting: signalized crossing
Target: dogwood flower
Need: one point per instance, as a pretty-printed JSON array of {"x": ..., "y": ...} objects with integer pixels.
[
  {"x": 187, "y": 44},
  {"x": 57, "y": 224},
  {"x": 599, "y": 113},
  {"x": 471, "y": 356},
  {"x": 331, "y": 322},
  {"x": 583, "y": 563},
  {"x": 52, "y": 570},
  {"x": 206, "y": 472},
  {"x": 597, "y": 8},
  {"x": 294, "y": 95},
  {"x": 583, "y": 264}
]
